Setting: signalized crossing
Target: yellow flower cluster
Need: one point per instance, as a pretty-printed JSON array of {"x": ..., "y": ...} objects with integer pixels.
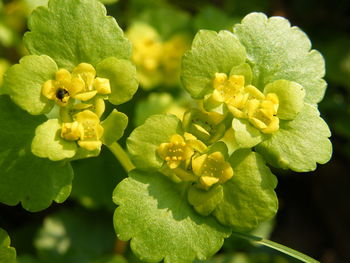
[
  {"x": 247, "y": 102},
  {"x": 71, "y": 91},
  {"x": 184, "y": 156},
  {"x": 157, "y": 61}
]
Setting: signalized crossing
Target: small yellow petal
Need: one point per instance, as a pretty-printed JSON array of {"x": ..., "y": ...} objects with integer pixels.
[
  {"x": 100, "y": 106},
  {"x": 253, "y": 91},
  {"x": 75, "y": 86},
  {"x": 63, "y": 75},
  {"x": 90, "y": 145},
  {"x": 257, "y": 123},
  {"x": 237, "y": 80},
  {"x": 86, "y": 115},
  {"x": 102, "y": 86},
  {"x": 272, "y": 127},
  {"x": 207, "y": 181},
  {"x": 197, "y": 164},
  {"x": 85, "y": 96},
  {"x": 70, "y": 131},
  {"x": 49, "y": 90},
  {"x": 236, "y": 112},
  {"x": 84, "y": 68}
]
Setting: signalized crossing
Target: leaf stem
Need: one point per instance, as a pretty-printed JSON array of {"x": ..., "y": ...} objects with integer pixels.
[
  {"x": 276, "y": 246},
  {"x": 122, "y": 156}
]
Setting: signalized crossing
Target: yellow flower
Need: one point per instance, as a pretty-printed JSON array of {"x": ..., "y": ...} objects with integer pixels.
[
  {"x": 62, "y": 88},
  {"x": 262, "y": 113},
  {"x": 86, "y": 129},
  {"x": 92, "y": 85},
  {"x": 81, "y": 85},
  {"x": 247, "y": 102},
  {"x": 228, "y": 90},
  {"x": 176, "y": 151},
  {"x": 211, "y": 169}
]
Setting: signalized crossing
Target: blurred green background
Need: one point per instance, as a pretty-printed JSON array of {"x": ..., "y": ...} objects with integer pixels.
[{"x": 314, "y": 213}]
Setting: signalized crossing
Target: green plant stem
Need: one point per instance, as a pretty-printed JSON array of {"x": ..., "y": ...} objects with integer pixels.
[
  {"x": 276, "y": 246},
  {"x": 122, "y": 156}
]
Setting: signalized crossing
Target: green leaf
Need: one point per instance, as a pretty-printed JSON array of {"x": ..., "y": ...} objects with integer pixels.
[
  {"x": 249, "y": 197},
  {"x": 122, "y": 76},
  {"x": 24, "y": 81},
  {"x": 145, "y": 139},
  {"x": 48, "y": 143},
  {"x": 299, "y": 144},
  {"x": 211, "y": 53},
  {"x": 203, "y": 201},
  {"x": 246, "y": 135},
  {"x": 114, "y": 126},
  {"x": 278, "y": 51},
  {"x": 153, "y": 212},
  {"x": 73, "y": 236},
  {"x": 95, "y": 179},
  {"x": 290, "y": 95},
  {"x": 75, "y": 31},
  {"x": 24, "y": 177},
  {"x": 7, "y": 253}
]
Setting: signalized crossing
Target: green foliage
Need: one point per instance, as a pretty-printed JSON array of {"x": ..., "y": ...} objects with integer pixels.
[
  {"x": 47, "y": 142},
  {"x": 300, "y": 143},
  {"x": 278, "y": 51},
  {"x": 195, "y": 175},
  {"x": 122, "y": 76},
  {"x": 249, "y": 197},
  {"x": 145, "y": 139},
  {"x": 155, "y": 215},
  {"x": 31, "y": 73},
  {"x": 7, "y": 253},
  {"x": 25, "y": 178},
  {"x": 114, "y": 126},
  {"x": 77, "y": 31},
  {"x": 211, "y": 52}
]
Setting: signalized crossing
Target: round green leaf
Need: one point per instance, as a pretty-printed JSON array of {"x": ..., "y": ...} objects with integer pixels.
[
  {"x": 75, "y": 31},
  {"x": 145, "y": 139},
  {"x": 48, "y": 143},
  {"x": 246, "y": 135},
  {"x": 24, "y": 177},
  {"x": 249, "y": 197},
  {"x": 24, "y": 81},
  {"x": 154, "y": 213},
  {"x": 122, "y": 76},
  {"x": 299, "y": 144},
  {"x": 211, "y": 53},
  {"x": 278, "y": 51},
  {"x": 7, "y": 253},
  {"x": 290, "y": 95},
  {"x": 114, "y": 126}
]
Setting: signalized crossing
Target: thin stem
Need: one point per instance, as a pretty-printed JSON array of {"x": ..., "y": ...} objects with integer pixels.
[
  {"x": 276, "y": 246},
  {"x": 121, "y": 155}
]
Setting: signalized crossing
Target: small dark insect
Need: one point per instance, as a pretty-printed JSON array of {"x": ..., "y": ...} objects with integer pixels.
[{"x": 61, "y": 93}]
